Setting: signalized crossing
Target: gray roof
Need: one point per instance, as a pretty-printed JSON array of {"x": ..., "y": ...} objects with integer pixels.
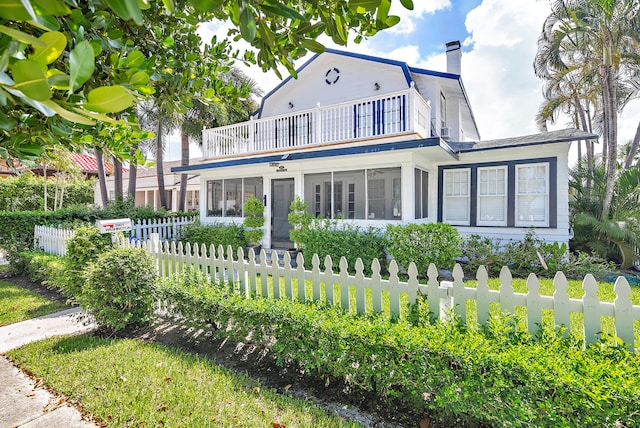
[{"x": 564, "y": 135}]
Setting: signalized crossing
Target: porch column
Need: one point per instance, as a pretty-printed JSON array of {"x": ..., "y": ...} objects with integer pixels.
[{"x": 408, "y": 195}]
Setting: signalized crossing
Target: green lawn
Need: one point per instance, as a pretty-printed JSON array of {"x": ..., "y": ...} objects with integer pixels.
[
  {"x": 131, "y": 383},
  {"x": 19, "y": 304}
]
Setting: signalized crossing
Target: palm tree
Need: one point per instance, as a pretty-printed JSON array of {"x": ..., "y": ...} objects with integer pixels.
[
  {"x": 235, "y": 107},
  {"x": 616, "y": 236},
  {"x": 597, "y": 38}
]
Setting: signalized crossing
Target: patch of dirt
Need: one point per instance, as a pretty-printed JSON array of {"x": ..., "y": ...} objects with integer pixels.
[{"x": 246, "y": 358}]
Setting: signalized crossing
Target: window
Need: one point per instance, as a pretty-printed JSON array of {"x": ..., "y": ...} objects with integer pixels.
[
  {"x": 456, "y": 198},
  {"x": 421, "y": 193},
  {"x": 344, "y": 194},
  {"x": 492, "y": 196},
  {"x": 532, "y": 195},
  {"x": 384, "y": 189},
  {"x": 225, "y": 198}
]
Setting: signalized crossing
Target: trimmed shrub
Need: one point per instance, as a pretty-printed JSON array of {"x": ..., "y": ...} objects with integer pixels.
[
  {"x": 457, "y": 376},
  {"x": 120, "y": 289},
  {"x": 26, "y": 192},
  {"x": 423, "y": 244},
  {"x": 326, "y": 238},
  {"x": 85, "y": 247},
  {"x": 216, "y": 234},
  {"x": 43, "y": 268}
]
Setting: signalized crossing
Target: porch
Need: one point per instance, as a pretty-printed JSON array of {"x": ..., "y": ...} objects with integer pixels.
[{"x": 389, "y": 115}]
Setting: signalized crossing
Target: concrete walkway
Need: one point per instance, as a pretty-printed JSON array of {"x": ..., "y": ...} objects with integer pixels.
[{"x": 25, "y": 404}]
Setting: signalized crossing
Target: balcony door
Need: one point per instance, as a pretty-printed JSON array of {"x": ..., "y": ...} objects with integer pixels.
[{"x": 282, "y": 194}]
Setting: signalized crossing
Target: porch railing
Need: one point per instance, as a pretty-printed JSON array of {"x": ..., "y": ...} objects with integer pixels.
[{"x": 399, "y": 113}]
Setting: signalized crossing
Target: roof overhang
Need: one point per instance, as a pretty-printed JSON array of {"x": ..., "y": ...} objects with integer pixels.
[{"x": 435, "y": 142}]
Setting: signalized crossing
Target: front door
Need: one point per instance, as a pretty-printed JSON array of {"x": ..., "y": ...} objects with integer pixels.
[{"x": 282, "y": 194}]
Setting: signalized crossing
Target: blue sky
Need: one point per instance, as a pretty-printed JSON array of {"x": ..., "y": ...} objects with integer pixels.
[{"x": 498, "y": 43}]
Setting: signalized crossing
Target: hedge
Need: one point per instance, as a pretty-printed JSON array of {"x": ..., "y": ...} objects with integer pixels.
[{"x": 458, "y": 376}]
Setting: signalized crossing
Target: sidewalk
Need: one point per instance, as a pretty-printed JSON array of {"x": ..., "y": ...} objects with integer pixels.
[{"x": 25, "y": 404}]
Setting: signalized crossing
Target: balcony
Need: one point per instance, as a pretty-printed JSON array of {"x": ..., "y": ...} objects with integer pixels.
[{"x": 389, "y": 115}]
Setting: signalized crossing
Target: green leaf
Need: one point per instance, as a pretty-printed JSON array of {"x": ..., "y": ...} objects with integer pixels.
[
  {"x": 408, "y": 4},
  {"x": 247, "y": 25},
  {"x": 29, "y": 151},
  {"x": 383, "y": 11},
  {"x": 134, "y": 59},
  {"x": 58, "y": 80},
  {"x": 81, "y": 64},
  {"x": 312, "y": 45},
  {"x": 364, "y": 5},
  {"x": 168, "y": 42},
  {"x": 7, "y": 124},
  {"x": 126, "y": 9},
  {"x": 55, "y": 43},
  {"x": 139, "y": 78},
  {"x": 341, "y": 30},
  {"x": 69, "y": 115},
  {"x": 13, "y": 10},
  {"x": 109, "y": 99},
  {"x": 283, "y": 10},
  {"x": 46, "y": 23},
  {"x": 20, "y": 36},
  {"x": 53, "y": 7},
  {"x": 30, "y": 80},
  {"x": 207, "y": 5},
  {"x": 392, "y": 20},
  {"x": 170, "y": 6}
]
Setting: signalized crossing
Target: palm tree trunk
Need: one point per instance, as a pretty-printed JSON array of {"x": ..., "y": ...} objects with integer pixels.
[
  {"x": 184, "y": 161},
  {"x": 62, "y": 187},
  {"x": 585, "y": 127},
  {"x": 633, "y": 149},
  {"x": 55, "y": 198},
  {"x": 133, "y": 177},
  {"x": 159, "y": 166},
  {"x": 102, "y": 179},
  {"x": 117, "y": 178},
  {"x": 611, "y": 121},
  {"x": 44, "y": 184}
]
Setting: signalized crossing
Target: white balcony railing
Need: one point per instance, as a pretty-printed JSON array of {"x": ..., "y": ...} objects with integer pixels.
[{"x": 399, "y": 113}]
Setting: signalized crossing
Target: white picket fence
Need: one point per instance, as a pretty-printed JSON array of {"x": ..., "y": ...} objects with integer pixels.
[
  {"x": 52, "y": 240},
  {"x": 166, "y": 228},
  {"x": 374, "y": 294}
]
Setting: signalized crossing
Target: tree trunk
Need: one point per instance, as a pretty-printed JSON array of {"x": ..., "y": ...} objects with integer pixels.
[
  {"x": 587, "y": 128},
  {"x": 159, "y": 167},
  {"x": 184, "y": 161},
  {"x": 133, "y": 177},
  {"x": 611, "y": 122},
  {"x": 55, "y": 198},
  {"x": 117, "y": 179},
  {"x": 102, "y": 179},
  {"x": 44, "y": 184},
  {"x": 633, "y": 149},
  {"x": 62, "y": 187}
]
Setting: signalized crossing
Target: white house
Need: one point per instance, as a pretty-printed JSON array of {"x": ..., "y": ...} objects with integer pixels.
[
  {"x": 374, "y": 141},
  {"x": 147, "y": 191}
]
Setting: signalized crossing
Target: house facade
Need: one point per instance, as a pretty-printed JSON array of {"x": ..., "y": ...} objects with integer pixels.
[
  {"x": 374, "y": 141},
  {"x": 147, "y": 191}
]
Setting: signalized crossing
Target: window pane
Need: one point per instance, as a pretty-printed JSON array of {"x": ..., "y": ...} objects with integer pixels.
[
  {"x": 384, "y": 189},
  {"x": 532, "y": 195},
  {"x": 349, "y": 194},
  {"x": 492, "y": 196},
  {"x": 317, "y": 195},
  {"x": 233, "y": 199},
  {"x": 214, "y": 198},
  {"x": 456, "y": 196},
  {"x": 417, "y": 192},
  {"x": 252, "y": 188},
  {"x": 425, "y": 192}
]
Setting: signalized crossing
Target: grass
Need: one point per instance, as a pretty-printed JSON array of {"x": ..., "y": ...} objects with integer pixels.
[
  {"x": 18, "y": 304},
  {"x": 132, "y": 383}
]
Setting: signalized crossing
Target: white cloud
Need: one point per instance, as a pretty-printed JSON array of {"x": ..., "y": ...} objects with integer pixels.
[
  {"x": 407, "y": 24},
  {"x": 498, "y": 72}
]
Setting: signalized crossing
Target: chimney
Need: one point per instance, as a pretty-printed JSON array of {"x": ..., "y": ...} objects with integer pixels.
[{"x": 454, "y": 55}]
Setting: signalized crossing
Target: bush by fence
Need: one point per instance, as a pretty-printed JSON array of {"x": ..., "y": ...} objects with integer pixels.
[
  {"x": 325, "y": 238},
  {"x": 225, "y": 234},
  {"x": 423, "y": 244}
]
